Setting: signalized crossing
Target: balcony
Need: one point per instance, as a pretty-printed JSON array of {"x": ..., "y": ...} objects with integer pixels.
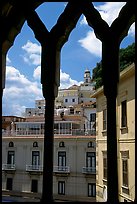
[
  {"x": 74, "y": 132},
  {"x": 34, "y": 169},
  {"x": 8, "y": 167},
  {"x": 89, "y": 170},
  {"x": 36, "y": 133},
  {"x": 61, "y": 169},
  {"x": 84, "y": 132}
]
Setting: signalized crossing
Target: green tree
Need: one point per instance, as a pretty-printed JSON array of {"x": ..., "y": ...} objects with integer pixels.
[
  {"x": 97, "y": 75},
  {"x": 126, "y": 56}
]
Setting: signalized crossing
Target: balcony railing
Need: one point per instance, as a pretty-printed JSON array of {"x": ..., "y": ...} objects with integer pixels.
[
  {"x": 34, "y": 168},
  {"x": 74, "y": 132},
  {"x": 8, "y": 167},
  {"x": 6, "y": 133},
  {"x": 83, "y": 132},
  {"x": 61, "y": 169},
  {"x": 89, "y": 170}
]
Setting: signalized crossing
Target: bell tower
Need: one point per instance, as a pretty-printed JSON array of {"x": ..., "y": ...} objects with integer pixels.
[{"x": 87, "y": 77}]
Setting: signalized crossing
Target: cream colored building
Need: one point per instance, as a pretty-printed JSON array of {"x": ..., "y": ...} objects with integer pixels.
[
  {"x": 74, "y": 170},
  {"x": 67, "y": 98},
  {"x": 125, "y": 113}
]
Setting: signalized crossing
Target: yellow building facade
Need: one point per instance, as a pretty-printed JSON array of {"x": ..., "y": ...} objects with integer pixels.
[{"x": 125, "y": 113}]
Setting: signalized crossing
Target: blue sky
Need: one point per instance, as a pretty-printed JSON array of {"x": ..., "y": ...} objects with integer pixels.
[{"x": 81, "y": 51}]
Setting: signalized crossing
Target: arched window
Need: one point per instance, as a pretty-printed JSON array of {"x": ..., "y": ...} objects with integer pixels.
[
  {"x": 35, "y": 144},
  {"x": 62, "y": 144},
  {"x": 11, "y": 144}
]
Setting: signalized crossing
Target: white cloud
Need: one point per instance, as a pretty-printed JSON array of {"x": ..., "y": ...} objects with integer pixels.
[
  {"x": 65, "y": 79},
  {"x": 131, "y": 31},
  {"x": 35, "y": 59},
  {"x": 37, "y": 73},
  {"x": 32, "y": 53},
  {"x": 19, "y": 91},
  {"x": 18, "y": 109},
  {"x": 91, "y": 43},
  {"x": 109, "y": 12},
  {"x": 30, "y": 47},
  {"x": 13, "y": 108},
  {"x": 17, "y": 83}
]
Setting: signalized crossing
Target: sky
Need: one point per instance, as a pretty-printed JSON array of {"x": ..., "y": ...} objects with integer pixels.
[{"x": 82, "y": 51}]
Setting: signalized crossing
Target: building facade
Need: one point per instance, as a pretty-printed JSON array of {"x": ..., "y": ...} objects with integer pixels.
[
  {"x": 74, "y": 170},
  {"x": 125, "y": 111}
]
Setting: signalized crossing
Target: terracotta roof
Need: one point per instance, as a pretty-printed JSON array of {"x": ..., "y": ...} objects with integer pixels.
[
  {"x": 69, "y": 118},
  {"x": 85, "y": 104},
  {"x": 35, "y": 119},
  {"x": 56, "y": 118}
]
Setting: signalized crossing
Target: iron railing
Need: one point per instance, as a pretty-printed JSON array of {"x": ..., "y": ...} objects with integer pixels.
[
  {"x": 61, "y": 169},
  {"x": 8, "y": 167},
  {"x": 38, "y": 168},
  {"x": 89, "y": 170}
]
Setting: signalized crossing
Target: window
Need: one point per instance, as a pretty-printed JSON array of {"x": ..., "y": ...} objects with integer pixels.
[
  {"x": 91, "y": 190},
  {"x": 35, "y": 159},
  {"x": 73, "y": 100},
  {"x": 9, "y": 184},
  {"x": 34, "y": 185},
  {"x": 86, "y": 80},
  {"x": 71, "y": 110},
  {"x": 35, "y": 144},
  {"x": 62, "y": 160},
  {"x": 62, "y": 144},
  {"x": 56, "y": 128},
  {"x": 92, "y": 117},
  {"x": 104, "y": 165},
  {"x": 125, "y": 172},
  {"x": 11, "y": 157},
  {"x": 66, "y": 100},
  {"x": 65, "y": 128},
  {"x": 124, "y": 114},
  {"x": 61, "y": 187},
  {"x": 104, "y": 119},
  {"x": 11, "y": 144},
  {"x": 91, "y": 161}
]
